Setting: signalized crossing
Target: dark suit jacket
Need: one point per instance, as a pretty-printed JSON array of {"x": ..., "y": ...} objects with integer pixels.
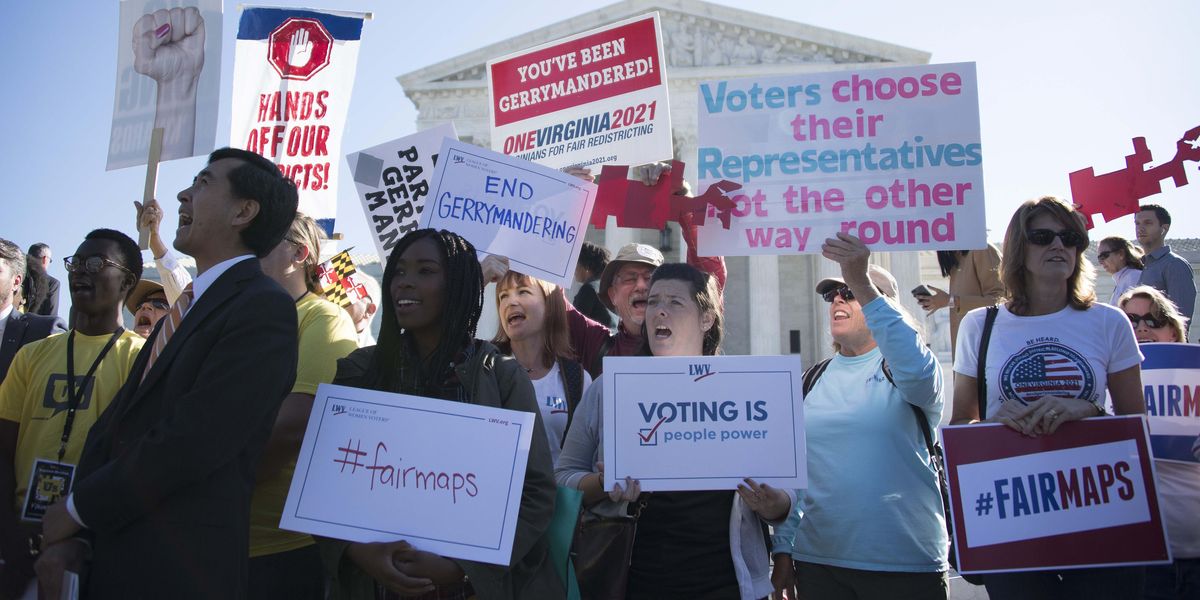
[
  {"x": 167, "y": 472},
  {"x": 22, "y": 328},
  {"x": 46, "y": 305}
]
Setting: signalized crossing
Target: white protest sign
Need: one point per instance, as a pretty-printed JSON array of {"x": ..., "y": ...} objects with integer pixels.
[
  {"x": 168, "y": 76},
  {"x": 892, "y": 156},
  {"x": 591, "y": 99},
  {"x": 443, "y": 476},
  {"x": 392, "y": 180},
  {"x": 534, "y": 215},
  {"x": 1171, "y": 382},
  {"x": 704, "y": 422},
  {"x": 292, "y": 78}
]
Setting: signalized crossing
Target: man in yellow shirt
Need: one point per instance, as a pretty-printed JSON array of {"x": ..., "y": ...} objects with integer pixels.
[
  {"x": 286, "y": 564},
  {"x": 55, "y": 391}
]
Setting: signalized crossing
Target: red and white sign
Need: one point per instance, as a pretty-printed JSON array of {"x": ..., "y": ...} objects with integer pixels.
[
  {"x": 283, "y": 53},
  {"x": 595, "y": 98},
  {"x": 1081, "y": 497}
]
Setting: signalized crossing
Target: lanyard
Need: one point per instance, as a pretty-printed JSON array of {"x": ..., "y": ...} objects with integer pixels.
[{"x": 75, "y": 395}]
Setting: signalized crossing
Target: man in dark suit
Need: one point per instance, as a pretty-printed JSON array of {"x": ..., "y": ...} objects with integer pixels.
[
  {"x": 40, "y": 290},
  {"x": 166, "y": 476},
  {"x": 17, "y": 328}
]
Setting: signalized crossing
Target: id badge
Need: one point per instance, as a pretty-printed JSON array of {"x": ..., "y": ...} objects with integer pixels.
[{"x": 49, "y": 482}]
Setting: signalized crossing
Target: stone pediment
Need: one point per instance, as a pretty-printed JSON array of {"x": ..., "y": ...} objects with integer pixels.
[{"x": 697, "y": 37}]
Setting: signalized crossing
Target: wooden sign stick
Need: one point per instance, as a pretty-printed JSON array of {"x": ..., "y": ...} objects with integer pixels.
[{"x": 151, "y": 182}]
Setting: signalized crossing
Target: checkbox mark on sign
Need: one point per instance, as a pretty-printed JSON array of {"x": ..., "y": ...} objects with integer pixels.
[{"x": 645, "y": 435}]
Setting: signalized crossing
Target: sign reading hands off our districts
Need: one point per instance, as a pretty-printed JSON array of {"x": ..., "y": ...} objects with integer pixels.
[
  {"x": 366, "y": 453},
  {"x": 1081, "y": 497},
  {"x": 704, "y": 422}
]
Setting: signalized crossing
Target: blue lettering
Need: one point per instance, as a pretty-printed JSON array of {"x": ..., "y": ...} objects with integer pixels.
[{"x": 1001, "y": 496}]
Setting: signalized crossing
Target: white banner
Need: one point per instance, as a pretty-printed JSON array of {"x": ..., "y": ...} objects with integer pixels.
[
  {"x": 704, "y": 422},
  {"x": 892, "y": 156},
  {"x": 292, "y": 78},
  {"x": 379, "y": 467},
  {"x": 534, "y": 215},
  {"x": 591, "y": 99},
  {"x": 392, "y": 180},
  {"x": 168, "y": 76}
]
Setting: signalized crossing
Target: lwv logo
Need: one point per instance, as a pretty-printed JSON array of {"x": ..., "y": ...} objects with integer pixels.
[{"x": 700, "y": 371}]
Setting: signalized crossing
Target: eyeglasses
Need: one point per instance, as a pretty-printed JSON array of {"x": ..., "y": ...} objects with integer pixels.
[
  {"x": 156, "y": 303},
  {"x": 91, "y": 264},
  {"x": 1103, "y": 255},
  {"x": 1151, "y": 321},
  {"x": 633, "y": 278},
  {"x": 842, "y": 291},
  {"x": 1045, "y": 237}
]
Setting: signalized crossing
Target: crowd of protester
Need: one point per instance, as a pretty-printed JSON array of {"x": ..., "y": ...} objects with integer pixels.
[{"x": 157, "y": 459}]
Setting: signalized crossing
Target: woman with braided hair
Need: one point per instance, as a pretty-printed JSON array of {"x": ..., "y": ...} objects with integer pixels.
[{"x": 432, "y": 298}]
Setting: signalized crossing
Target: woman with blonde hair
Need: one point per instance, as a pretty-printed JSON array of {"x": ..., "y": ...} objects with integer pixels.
[
  {"x": 1050, "y": 321},
  {"x": 533, "y": 329}
]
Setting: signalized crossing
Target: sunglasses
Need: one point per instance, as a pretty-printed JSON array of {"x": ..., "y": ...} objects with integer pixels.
[
  {"x": 1104, "y": 255},
  {"x": 156, "y": 303},
  {"x": 1151, "y": 321},
  {"x": 1045, "y": 237},
  {"x": 91, "y": 264},
  {"x": 843, "y": 291}
]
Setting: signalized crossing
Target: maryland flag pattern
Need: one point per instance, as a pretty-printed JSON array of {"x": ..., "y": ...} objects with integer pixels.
[{"x": 336, "y": 276}]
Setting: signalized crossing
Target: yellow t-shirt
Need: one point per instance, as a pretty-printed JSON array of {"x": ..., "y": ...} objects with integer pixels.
[
  {"x": 34, "y": 395},
  {"x": 326, "y": 334}
]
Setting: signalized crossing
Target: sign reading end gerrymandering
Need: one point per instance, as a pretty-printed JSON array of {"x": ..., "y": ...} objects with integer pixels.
[
  {"x": 892, "y": 156},
  {"x": 596, "y": 98},
  {"x": 1081, "y": 497},
  {"x": 380, "y": 467},
  {"x": 704, "y": 422},
  {"x": 534, "y": 215}
]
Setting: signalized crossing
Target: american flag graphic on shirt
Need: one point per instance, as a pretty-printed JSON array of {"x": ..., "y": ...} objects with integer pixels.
[{"x": 1047, "y": 369}]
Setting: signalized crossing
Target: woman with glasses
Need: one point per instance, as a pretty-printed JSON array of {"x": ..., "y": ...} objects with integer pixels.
[
  {"x": 1156, "y": 319},
  {"x": 1051, "y": 321},
  {"x": 1121, "y": 260},
  {"x": 870, "y": 524}
]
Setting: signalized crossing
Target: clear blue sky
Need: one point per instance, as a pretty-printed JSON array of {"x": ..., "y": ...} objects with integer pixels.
[{"x": 1063, "y": 86}]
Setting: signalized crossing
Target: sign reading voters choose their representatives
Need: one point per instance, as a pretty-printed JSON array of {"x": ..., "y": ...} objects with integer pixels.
[
  {"x": 596, "y": 98},
  {"x": 1081, "y": 497},
  {"x": 444, "y": 476},
  {"x": 704, "y": 422},
  {"x": 892, "y": 156},
  {"x": 534, "y": 215}
]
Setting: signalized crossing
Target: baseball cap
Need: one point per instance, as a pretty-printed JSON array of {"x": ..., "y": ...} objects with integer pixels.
[{"x": 883, "y": 280}]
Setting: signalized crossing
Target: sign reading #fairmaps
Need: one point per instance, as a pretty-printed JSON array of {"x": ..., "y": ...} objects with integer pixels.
[
  {"x": 891, "y": 156},
  {"x": 534, "y": 215},
  {"x": 392, "y": 180},
  {"x": 704, "y": 422},
  {"x": 1171, "y": 382},
  {"x": 596, "y": 98},
  {"x": 1081, "y": 497},
  {"x": 379, "y": 467}
]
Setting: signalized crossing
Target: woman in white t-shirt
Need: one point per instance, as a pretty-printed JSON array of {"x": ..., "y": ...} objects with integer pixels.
[
  {"x": 1052, "y": 354},
  {"x": 533, "y": 329}
]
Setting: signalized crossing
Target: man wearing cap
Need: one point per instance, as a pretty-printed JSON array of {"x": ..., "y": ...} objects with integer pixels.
[
  {"x": 867, "y": 414},
  {"x": 148, "y": 304}
]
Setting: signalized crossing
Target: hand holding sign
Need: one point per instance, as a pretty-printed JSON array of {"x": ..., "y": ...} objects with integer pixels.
[
  {"x": 770, "y": 504},
  {"x": 1044, "y": 415},
  {"x": 378, "y": 560}
]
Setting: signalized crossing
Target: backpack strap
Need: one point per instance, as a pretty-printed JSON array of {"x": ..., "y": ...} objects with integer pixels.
[
  {"x": 813, "y": 373},
  {"x": 981, "y": 365},
  {"x": 572, "y": 375},
  {"x": 605, "y": 348}
]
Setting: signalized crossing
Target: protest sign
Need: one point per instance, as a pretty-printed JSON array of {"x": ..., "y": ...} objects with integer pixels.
[
  {"x": 457, "y": 470},
  {"x": 1083, "y": 496},
  {"x": 168, "y": 77},
  {"x": 595, "y": 98},
  {"x": 704, "y": 422},
  {"x": 534, "y": 215},
  {"x": 1171, "y": 382},
  {"x": 889, "y": 155},
  {"x": 392, "y": 180},
  {"x": 292, "y": 78}
]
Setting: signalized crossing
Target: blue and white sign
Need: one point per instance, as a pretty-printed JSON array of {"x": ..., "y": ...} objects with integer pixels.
[
  {"x": 534, "y": 215},
  {"x": 1171, "y": 383},
  {"x": 704, "y": 422}
]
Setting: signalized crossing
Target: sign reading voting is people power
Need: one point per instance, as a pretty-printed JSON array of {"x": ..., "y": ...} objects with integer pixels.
[
  {"x": 1081, "y": 497},
  {"x": 378, "y": 467},
  {"x": 534, "y": 215},
  {"x": 892, "y": 156},
  {"x": 704, "y": 422}
]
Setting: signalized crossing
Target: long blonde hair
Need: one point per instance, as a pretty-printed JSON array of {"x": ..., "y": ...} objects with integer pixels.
[
  {"x": 1161, "y": 307},
  {"x": 304, "y": 232}
]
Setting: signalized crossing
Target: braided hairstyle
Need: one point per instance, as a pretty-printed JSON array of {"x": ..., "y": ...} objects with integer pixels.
[{"x": 396, "y": 352}]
